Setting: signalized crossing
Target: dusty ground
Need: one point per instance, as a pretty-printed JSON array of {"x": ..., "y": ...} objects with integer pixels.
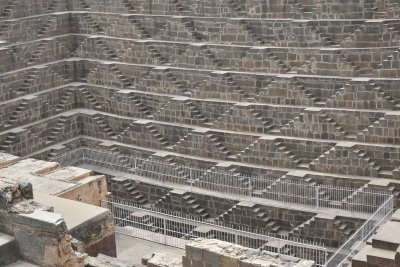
[{"x": 131, "y": 250}]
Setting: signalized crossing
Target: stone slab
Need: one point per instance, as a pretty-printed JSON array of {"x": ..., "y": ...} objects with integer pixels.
[
  {"x": 387, "y": 236},
  {"x": 75, "y": 213}
]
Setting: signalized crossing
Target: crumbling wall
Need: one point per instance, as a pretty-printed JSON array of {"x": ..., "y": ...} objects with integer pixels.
[{"x": 42, "y": 237}]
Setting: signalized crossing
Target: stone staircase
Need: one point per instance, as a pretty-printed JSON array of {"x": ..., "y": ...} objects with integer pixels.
[
  {"x": 134, "y": 194},
  {"x": 52, "y": 6},
  {"x": 121, "y": 77},
  {"x": 389, "y": 67},
  {"x": 33, "y": 79},
  {"x": 64, "y": 100},
  {"x": 3, "y": 30},
  {"x": 12, "y": 120},
  {"x": 56, "y": 131},
  {"x": 157, "y": 135},
  {"x": 46, "y": 27},
  {"x": 314, "y": 100},
  {"x": 281, "y": 66},
  {"x": 324, "y": 126},
  {"x": 236, "y": 89},
  {"x": 385, "y": 96},
  {"x": 257, "y": 38},
  {"x": 104, "y": 127},
  {"x": 216, "y": 142},
  {"x": 271, "y": 225},
  {"x": 143, "y": 33},
  {"x": 191, "y": 28},
  {"x": 8, "y": 9},
  {"x": 362, "y": 154},
  {"x": 210, "y": 55},
  {"x": 111, "y": 54},
  {"x": 154, "y": 54},
  {"x": 140, "y": 107},
  {"x": 11, "y": 139},
  {"x": 195, "y": 113},
  {"x": 178, "y": 84},
  {"x": 194, "y": 207},
  {"x": 92, "y": 23},
  {"x": 183, "y": 202},
  {"x": 88, "y": 96},
  {"x": 37, "y": 54},
  {"x": 299, "y": 163},
  {"x": 247, "y": 151},
  {"x": 129, "y": 6},
  {"x": 339, "y": 230}
]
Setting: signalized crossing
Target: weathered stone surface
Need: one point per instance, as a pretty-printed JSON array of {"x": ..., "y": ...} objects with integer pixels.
[{"x": 218, "y": 253}]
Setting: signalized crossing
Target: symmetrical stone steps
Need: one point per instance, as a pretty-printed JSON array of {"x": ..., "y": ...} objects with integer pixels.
[
  {"x": 389, "y": 66},
  {"x": 46, "y": 27},
  {"x": 156, "y": 55},
  {"x": 56, "y": 132},
  {"x": 134, "y": 194},
  {"x": 255, "y": 122},
  {"x": 92, "y": 23},
  {"x": 140, "y": 106},
  {"x": 323, "y": 126},
  {"x": 254, "y": 32},
  {"x": 38, "y": 52},
  {"x": 88, "y": 96},
  {"x": 217, "y": 143},
  {"x": 104, "y": 127},
  {"x": 143, "y": 33},
  {"x": 294, "y": 9},
  {"x": 11, "y": 139},
  {"x": 182, "y": 202},
  {"x": 32, "y": 76},
  {"x": 338, "y": 229},
  {"x": 65, "y": 100},
  {"x": 156, "y": 135},
  {"x": 300, "y": 163},
  {"x": 23, "y": 106},
  {"x": 261, "y": 59}
]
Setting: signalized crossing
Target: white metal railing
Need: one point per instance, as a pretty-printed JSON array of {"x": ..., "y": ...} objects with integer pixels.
[
  {"x": 301, "y": 193},
  {"x": 166, "y": 230},
  {"x": 175, "y": 229},
  {"x": 358, "y": 239}
]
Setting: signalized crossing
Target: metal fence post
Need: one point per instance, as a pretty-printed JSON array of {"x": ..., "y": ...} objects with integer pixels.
[
  {"x": 236, "y": 238},
  {"x": 135, "y": 166},
  {"x": 250, "y": 194},
  {"x": 191, "y": 180},
  {"x": 317, "y": 198},
  {"x": 165, "y": 231},
  {"x": 83, "y": 157},
  {"x": 279, "y": 246}
]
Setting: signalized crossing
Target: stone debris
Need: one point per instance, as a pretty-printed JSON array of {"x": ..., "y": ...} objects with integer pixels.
[
  {"x": 224, "y": 254},
  {"x": 16, "y": 196},
  {"x": 160, "y": 259}
]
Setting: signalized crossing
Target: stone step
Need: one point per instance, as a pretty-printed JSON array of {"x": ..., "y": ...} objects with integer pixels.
[{"x": 8, "y": 249}]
